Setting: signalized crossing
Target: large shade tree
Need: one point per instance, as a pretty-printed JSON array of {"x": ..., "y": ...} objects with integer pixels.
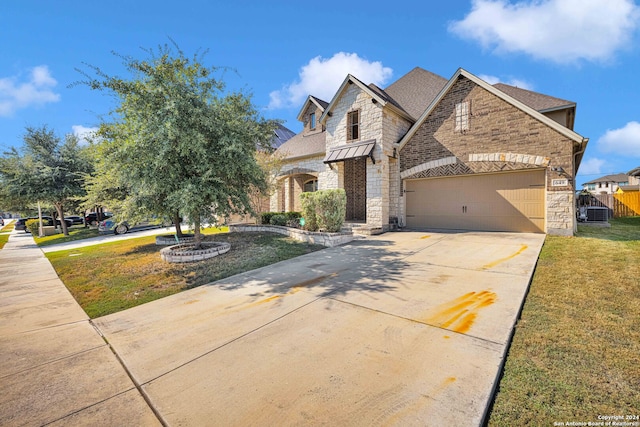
[
  {"x": 178, "y": 143},
  {"x": 45, "y": 169}
]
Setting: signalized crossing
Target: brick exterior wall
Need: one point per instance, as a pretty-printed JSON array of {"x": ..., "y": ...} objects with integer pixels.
[
  {"x": 500, "y": 137},
  {"x": 311, "y": 108}
]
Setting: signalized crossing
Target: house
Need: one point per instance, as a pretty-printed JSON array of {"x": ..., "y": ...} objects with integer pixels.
[
  {"x": 609, "y": 184},
  {"x": 427, "y": 152}
]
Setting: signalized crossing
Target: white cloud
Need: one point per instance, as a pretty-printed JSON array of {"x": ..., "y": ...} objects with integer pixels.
[
  {"x": 84, "y": 134},
  {"x": 37, "y": 90},
  {"x": 322, "y": 77},
  {"x": 592, "y": 166},
  {"x": 624, "y": 141},
  {"x": 561, "y": 31},
  {"x": 522, "y": 84}
]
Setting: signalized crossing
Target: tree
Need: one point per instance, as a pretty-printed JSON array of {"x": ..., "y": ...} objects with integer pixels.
[
  {"x": 181, "y": 145},
  {"x": 48, "y": 170},
  {"x": 271, "y": 165}
]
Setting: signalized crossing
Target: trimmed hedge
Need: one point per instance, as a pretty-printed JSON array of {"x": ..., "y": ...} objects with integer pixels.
[
  {"x": 278, "y": 219},
  {"x": 292, "y": 219},
  {"x": 324, "y": 210}
]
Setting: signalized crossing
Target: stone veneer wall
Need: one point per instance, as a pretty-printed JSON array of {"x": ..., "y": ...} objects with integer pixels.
[
  {"x": 375, "y": 123},
  {"x": 278, "y": 201},
  {"x": 495, "y": 126}
]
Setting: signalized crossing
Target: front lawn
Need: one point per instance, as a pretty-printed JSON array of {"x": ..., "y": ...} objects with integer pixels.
[
  {"x": 115, "y": 276},
  {"x": 575, "y": 351}
]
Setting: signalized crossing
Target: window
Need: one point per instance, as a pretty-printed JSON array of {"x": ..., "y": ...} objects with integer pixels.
[
  {"x": 599, "y": 185},
  {"x": 353, "y": 125},
  {"x": 621, "y": 184},
  {"x": 591, "y": 187},
  {"x": 310, "y": 186},
  {"x": 462, "y": 116},
  {"x": 312, "y": 121}
]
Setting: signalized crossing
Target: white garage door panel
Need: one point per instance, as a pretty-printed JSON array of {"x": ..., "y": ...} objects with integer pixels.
[{"x": 494, "y": 202}]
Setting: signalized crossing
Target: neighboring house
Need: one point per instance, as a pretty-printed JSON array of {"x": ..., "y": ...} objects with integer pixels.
[
  {"x": 427, "y": 152},
  {"x": 634, "y": 176},
  {"x": 610, "y": 184}
]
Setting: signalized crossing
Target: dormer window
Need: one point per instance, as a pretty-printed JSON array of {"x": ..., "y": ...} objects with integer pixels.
[
  {"x": 353, "y": 125},
  {"x": 312, "y": 121}
]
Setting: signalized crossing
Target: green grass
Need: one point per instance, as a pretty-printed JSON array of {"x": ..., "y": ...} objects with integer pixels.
[
  {"x": 118, "y": 275},
  {"x": 80, "y": 233},
  {"x": 4, "y": 238},
  {"x": 75, "y": 233},
  {"x": 576, "y": 347}
]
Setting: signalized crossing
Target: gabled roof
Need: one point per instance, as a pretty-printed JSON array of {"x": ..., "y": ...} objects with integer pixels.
[
  {"x": 634, "y": 171},
  {"x": 619, "y": 177},
  {"x": 415, "y": 90},
  {"x": 322, "y": 105},
  {"x": 500, "y": 94},
  {"x": 535, "y": 100},
  {"x": 304, "y": 145},
  {"x": 374, "y": 92}
]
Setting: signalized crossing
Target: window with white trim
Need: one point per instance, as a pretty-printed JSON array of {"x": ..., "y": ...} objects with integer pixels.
[{"x": 312, "y": 121}]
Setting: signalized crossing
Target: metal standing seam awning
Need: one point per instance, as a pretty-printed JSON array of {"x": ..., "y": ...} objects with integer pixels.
[{"x": 351, "y": 151}]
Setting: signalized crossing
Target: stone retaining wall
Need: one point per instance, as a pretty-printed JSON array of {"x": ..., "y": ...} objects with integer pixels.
[
  {"x": 325, "y": 239},
  {"x": 185, "y": 252}
]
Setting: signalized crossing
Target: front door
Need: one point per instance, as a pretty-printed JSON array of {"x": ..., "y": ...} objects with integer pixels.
[{"x": 355, "y": 185}]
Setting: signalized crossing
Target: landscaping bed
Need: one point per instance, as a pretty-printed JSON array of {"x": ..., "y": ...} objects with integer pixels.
[
  {"x": 574, "y": 354},
  {"x": 118, "y": 275}
]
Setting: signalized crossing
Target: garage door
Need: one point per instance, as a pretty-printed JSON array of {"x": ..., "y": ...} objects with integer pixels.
[{"x": 510, "y": 201}]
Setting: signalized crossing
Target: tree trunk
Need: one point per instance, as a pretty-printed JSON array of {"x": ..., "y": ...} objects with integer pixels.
[
  {"x": 63, "y": 223},
  {"x": 197, "y": 237},
  {"x": 176, "y": 222}
]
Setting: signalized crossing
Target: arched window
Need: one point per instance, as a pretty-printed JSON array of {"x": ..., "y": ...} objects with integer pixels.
[{"x": 310, "y": 186}]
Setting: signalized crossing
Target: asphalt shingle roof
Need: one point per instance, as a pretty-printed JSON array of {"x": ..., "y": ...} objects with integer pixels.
[
  {"x": 414, "y": 91},
  {"x": 535, "y": 100},
  {"x": 619, "y": 177},
  {"x": 304, "y": 145}
]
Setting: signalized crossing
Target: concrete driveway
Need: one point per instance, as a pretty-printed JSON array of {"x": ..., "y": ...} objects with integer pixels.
[{"x": 405, "y": 328}]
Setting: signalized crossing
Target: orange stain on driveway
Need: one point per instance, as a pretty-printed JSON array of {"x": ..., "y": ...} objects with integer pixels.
[{"x": 460, "y": 314}]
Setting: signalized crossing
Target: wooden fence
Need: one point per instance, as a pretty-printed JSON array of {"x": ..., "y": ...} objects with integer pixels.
[{"x": 623, "y": 204}]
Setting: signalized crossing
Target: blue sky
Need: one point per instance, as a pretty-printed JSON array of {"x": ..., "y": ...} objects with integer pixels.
[{"x": 587, "y": 51}]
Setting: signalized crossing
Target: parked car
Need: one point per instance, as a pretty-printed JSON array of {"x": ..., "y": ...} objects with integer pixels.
[
  {"x": 110, "y": 225},
  {"x": 47, "y": 221},
  {"x": 75, "y": 219},
  {"x": 92, "y": 218}
]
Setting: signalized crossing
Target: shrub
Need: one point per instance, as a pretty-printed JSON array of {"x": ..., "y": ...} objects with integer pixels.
[
  {"x": 278, "y": 219},
  {"x": 331, "y": 207},
  {"x": 309, "y": 211},
  {"x": 265, "y": 217},
  {"x": 293, "y": 219},
  {"x": 33, "y": 225}
]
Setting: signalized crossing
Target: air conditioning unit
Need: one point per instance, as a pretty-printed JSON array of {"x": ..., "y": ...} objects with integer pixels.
[{"x": 597, "y": 213}]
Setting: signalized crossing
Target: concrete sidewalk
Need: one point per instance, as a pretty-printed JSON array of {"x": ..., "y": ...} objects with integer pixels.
[{"x": 54, "y": 366}]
